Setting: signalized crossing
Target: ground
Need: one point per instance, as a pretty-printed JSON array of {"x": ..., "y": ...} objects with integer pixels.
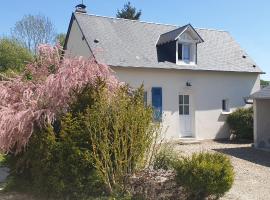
[
  {"x": 252, "y": 170},
  {"x": 251, "y": 166}
]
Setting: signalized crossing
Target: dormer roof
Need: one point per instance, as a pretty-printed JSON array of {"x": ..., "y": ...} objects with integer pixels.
[{"x": 176, "y": 33}]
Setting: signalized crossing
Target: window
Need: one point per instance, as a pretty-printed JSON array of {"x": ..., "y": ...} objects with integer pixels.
[
  {"x": 180, "y": 52},
  {"x": 157, "y": 103},
  {"x": 183, "y": 104},
  {"x": 225, "y": 105},
  {"x": 184, "y": 52},
  {"x": 145, "y": 98}
]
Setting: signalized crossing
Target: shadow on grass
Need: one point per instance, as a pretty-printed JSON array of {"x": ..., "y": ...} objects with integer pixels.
[{"x": 249, "y": 154}]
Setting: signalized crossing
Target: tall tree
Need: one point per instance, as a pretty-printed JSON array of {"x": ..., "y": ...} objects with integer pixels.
[
  {"x": 61, "y": 37},
  {"x": 33, "y": 30},
  {"x": 129, "y": 12},
  {"x": 13, "y": 55}
]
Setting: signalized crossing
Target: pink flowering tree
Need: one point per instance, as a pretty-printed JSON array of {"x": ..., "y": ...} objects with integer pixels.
[{"x": 42, "y": 92}]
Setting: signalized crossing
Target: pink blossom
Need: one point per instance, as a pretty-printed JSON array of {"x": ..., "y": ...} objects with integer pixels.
[{"x": 26, "y": 103}]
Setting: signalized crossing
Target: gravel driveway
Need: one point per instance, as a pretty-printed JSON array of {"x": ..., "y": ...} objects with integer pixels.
[{"x": 251, "y": 166}]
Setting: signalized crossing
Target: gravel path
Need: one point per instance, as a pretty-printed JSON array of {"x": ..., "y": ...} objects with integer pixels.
[{"x": 251, "y": 166}]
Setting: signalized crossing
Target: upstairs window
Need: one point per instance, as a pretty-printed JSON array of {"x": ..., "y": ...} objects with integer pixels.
[{"x": 185, "y": 53}]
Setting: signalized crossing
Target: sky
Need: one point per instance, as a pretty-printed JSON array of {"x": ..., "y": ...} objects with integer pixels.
[{"x": 246, "y": 20}]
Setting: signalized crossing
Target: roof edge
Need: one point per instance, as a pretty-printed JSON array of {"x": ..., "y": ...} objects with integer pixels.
[
  {"x": 205, "y": 70},
  {"x": 165, "y": 24}
]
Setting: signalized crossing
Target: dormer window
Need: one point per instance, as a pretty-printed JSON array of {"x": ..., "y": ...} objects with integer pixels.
[
  {"x": 179, "y": 46},
  {"x": 184, "y": 51}
]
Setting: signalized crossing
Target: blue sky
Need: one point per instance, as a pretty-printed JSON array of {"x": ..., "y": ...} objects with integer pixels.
[{"x": 246, "y": 20}]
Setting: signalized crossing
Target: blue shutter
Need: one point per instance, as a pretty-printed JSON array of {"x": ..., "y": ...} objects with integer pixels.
[{"x": 157, "y": 103}]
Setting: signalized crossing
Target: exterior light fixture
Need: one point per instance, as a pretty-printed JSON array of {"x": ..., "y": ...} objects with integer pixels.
[{"x": 188, "y": 84}]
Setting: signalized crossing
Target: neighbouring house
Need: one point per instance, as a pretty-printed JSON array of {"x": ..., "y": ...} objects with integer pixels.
[
  {"x": 193, "y": 77},
  {"x": 261, "y": 107}
]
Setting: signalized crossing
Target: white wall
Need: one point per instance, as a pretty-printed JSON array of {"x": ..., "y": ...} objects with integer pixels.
[
  {"x": 207, "y": 90},
  {"x": 262, "y": 123},
  {"x": 76, "y": 45}
]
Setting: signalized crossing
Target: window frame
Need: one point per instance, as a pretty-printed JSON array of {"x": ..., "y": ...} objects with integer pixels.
[
  {"x": 184, "y": 104},
  {"x": 192, "y": 52}
]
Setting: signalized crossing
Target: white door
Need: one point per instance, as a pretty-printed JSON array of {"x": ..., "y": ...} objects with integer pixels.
[{"x": 185, "y": 115}]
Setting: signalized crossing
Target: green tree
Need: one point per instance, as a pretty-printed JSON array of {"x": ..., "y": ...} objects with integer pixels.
[
  {"x": 61, "y": 37},
  {"x": 129, "y": 12},
  {"x": 264, "y": 83},
  {"x": 13, "y": 55}
]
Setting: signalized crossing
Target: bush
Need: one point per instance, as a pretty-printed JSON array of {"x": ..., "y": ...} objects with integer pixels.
[
  {"x": 205, "y": 174},
  {"x": 241, "y": 123},
  {"x": 165, "y": 158},
  {"x": 13, "y": 56},
  {"x": 91, "y": 150}
]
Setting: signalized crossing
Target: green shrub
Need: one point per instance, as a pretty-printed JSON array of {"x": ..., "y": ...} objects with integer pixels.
[
  {"x": 57, "y": 165},
  {"x": 205, "y": 174},
  {"x": 121, "y": 134},
  {"x": 13, "y": 55},
  {"x": 165, "y": 158},
  {"x": 241, "y": 123},
  {"x": 91, "y": 150}
]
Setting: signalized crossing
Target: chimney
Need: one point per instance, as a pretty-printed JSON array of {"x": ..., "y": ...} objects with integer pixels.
[{"x": 81, "y": 8}]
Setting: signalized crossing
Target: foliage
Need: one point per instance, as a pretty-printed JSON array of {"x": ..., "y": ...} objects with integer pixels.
[
  {"x": 60, "y": 38},
  {"x": 13, "y": 56},
  {"x": 2, "y": 160},
  {"x": 129, "y": 12},
  {"x": 241, "y": 123},
  {"x": 33, "y": 30},
  {"x": 165, "y": 158},
  {"x": 121, "y": 133},
  {"x": 56, "y": 165},
  {"x": 264, "y": 83},
  {"x": 205, "y": 174},
  {"x": 97, "y": 144},
  {"x": 42, "y": 92}
]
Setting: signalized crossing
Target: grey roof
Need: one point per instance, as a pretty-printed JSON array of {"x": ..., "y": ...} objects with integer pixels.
[
  {"x": 262, "y": 94},
  {"x": 174, "y": 34},
  {"x": 171, "y": 35},
  {"x": 130, "y": 43}
]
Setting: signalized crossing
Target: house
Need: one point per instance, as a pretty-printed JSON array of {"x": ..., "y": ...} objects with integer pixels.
[
  {"x": 193, "y": 77},
  {"x": 261, "y": 107}
]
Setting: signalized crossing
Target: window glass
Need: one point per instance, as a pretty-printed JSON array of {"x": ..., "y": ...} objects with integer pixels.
[
  {"x": 225, "y": 105},
  {"x": 181, "y": 110},
  {"x": 186, "y": 110},
  {"x": 180, "y": 52},
  {"x": 186, "y": 99},
  {"x": 186, "y": 52},
  {"x": 181, "y": 99}
]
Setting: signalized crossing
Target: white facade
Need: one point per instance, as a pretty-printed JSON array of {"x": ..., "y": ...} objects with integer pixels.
[
  {"x": 261, "y": 109},
  {"x": 208, "y": 88},
  {"x": 206, "y": 94}
]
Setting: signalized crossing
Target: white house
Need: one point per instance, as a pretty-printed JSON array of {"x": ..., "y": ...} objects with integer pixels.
[
  {"x": 261, "y": 107},
  {"x": 193, "y": 77}
]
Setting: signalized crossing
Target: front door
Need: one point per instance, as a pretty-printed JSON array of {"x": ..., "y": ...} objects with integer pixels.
[{"x": 185, "y": 115}]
